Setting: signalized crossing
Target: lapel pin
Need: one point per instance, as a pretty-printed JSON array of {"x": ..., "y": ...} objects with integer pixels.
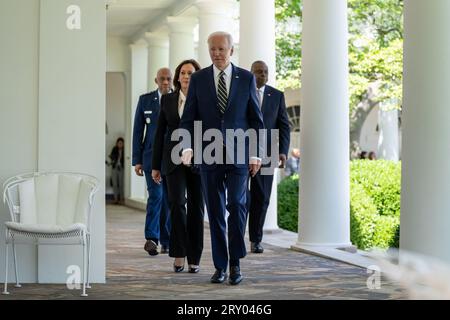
[
  {"x": 237, "y": 77},
  {"x": 268, "y": 94}
]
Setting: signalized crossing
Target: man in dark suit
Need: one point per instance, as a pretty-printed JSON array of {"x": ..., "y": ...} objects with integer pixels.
[
  {"x": 275, "y": 116},
  {"x": 157, "y": 223},
  {"x": 223, "y": 96}
]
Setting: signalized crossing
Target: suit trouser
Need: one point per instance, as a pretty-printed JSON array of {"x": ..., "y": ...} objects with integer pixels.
[
  {"x": 186, "y": 235},
  {"x": 157, "y": 223},
  {"x": 214, "y": 183},
  {"x": 117, "y": 182},
  {"x": 258, "y": 202}
]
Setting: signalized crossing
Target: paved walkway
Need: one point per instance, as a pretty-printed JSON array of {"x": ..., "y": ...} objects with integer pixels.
[{"x": 278, "y": 273}]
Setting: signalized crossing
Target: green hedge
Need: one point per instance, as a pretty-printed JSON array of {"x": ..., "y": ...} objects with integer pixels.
[{"x": 374, "y": 203}]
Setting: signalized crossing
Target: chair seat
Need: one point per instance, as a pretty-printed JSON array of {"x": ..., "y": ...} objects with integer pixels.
[{"x": 44, "y": 228}]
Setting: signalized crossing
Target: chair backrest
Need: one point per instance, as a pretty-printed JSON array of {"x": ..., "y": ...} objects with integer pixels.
[{"x": 58, "y": 199}]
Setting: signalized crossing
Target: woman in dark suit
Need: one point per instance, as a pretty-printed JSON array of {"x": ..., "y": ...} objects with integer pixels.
[{"x": 186, "y": 236}]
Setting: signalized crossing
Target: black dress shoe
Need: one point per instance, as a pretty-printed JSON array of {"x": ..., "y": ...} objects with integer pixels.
[
  {"x": 194, "y": 269},
  {"x": 235, "y": 275},
  {"x": 256, "y": 247},
  {"x": 219, "y": 276},
  {"x": 178, "y": 268},
  {"x": 164, "y": 249},
  {"x": 151, "y": 247}
]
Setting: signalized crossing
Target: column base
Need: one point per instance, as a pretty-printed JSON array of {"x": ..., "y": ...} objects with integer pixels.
[
  {"x": 272, "y": 230},
  {"x": 347, "y": 253}
]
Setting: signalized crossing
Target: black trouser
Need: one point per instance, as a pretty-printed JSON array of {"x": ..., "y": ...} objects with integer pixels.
[
  {"x": 258, "y": 202},
  {"x": 186, "y": 235}
]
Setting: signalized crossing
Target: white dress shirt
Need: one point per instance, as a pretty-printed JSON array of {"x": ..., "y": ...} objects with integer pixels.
[
  {"x": 260, "y": 92},
  {"x": 181, "y": 103},
  {"x": 227, "y": 77}
]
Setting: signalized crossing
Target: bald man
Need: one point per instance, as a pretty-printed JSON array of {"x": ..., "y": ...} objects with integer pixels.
[{"x": 157, "y": 224}]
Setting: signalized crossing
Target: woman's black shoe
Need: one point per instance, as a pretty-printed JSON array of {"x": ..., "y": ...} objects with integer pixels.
[
  {"x": 194, "y": 269},
  {"x": 178, "y": 268}
]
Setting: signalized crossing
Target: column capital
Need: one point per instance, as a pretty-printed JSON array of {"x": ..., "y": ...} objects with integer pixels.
[
  {"x": 215, "y": 7},
  {"x": 140, "y": 43},
  {"x": 181, "y": 24},
  {"x": 157, "y": 39}
]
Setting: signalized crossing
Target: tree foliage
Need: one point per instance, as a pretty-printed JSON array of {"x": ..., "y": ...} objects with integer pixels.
[{"x": 375, "y": 48}]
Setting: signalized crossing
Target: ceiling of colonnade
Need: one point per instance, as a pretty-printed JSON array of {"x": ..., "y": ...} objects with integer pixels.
[{"x": 126, "y": 18}]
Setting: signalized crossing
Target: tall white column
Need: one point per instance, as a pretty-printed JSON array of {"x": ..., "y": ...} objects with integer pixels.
[
  {"x": 425, "y": 201},
  {"x": 181, "y": 40},
  {"x": 257, "y": 34},
  {"x": 71, "y": 119},
  {"x": 158, "y": 56},
  {"x": 388, "y": 146},
  {"x": 214, "y": 15},
  {"x": 139, "y": 58},
  {"x": 324, "y": 217}
]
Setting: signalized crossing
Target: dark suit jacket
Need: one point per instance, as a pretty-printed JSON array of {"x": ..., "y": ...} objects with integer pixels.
[
  {"x": 242, "y": 111},
  {"x": 145, "y": 119},
  {"x": 168, "y": 121},
  {"x": 275, "y": 117}
]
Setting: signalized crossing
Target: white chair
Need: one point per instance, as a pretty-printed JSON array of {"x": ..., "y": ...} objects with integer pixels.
[{"x": 50, "y": 208}]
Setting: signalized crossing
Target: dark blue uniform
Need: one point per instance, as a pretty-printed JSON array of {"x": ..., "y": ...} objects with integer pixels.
[
  {"x": 157, "y": 224},
  {"x": 275, "y": 117}
]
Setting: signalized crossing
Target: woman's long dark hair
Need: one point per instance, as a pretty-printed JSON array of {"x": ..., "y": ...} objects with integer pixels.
[{"x": 176, "y": 83}]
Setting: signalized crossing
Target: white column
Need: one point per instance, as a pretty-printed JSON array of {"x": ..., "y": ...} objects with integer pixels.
[
  {"x": 324, "y": 217},
  {"x": 425, "y": 201},
  {"x": 214, "y": 15},
  {"x": 271, "y": 222},
  {"x": 388, "y": 146},
  {"x": 181, "y": 40},
  {"x": 158, "y": 56},
  {"x": 257, "y": 34},
  {"x": 71, "y": 120},
  {"x": 139, "y": 58}
]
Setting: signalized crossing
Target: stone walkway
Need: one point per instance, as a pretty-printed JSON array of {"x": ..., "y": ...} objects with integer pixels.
[{"x": 278, "y": 273}]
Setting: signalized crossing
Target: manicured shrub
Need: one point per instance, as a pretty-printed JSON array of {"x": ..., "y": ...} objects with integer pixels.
[{"x": 374, "y": 203}]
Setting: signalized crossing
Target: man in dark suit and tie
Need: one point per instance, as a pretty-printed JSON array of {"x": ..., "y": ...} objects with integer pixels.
[
  {"x": 157, "y": 222},
  {"x": 223, "y": 96},
  {"x": 273, "y": 108}
]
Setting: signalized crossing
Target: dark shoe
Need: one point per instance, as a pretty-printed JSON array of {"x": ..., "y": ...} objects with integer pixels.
[
  {"x": 178, "y": 268},
  {"x": 151, "y": 247},
  {"x": 256, "y": 247},
  {"x": 164, "y": 249},
  {"x": 219, "y": 276},
  {"x": 194, "y": 269},
  {"x": 235, "y": 275}
]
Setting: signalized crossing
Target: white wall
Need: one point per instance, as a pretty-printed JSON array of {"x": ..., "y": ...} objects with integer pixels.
[
  {"x": 55, "y": 119},
  {"x": 18, "y": 109},
  {"x": 115, "y": 116},
  {"x": 369, "y": 137},
  {"x": 118, "y": 59},
  {"x": 368, "y": 140},
  {"x": 118, "y": 54}
]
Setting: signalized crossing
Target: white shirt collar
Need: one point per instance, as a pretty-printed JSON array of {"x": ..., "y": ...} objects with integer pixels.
[
  {"x": 261, "y": 89},
  {"x": 182, "y": 96},
  {"x": 228, "y": 70}
]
